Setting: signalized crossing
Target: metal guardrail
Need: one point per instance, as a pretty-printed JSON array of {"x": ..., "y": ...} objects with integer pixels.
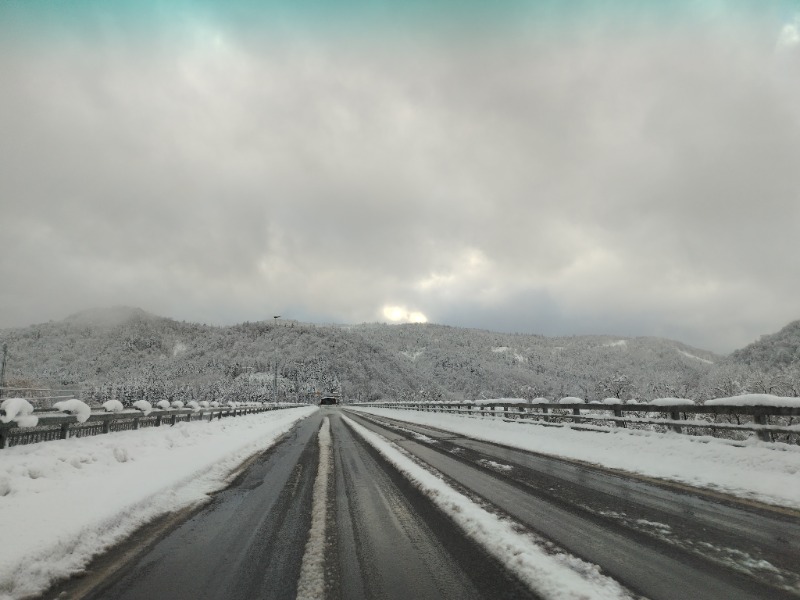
[
  {"x": 557, "y": 414},
  {"x": 53, "y": 425}
]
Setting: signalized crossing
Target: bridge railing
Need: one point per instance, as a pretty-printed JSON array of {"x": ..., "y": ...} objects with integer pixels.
[
  {"x": 53, "y": 425},
  {"x": 769, "y": 423}
]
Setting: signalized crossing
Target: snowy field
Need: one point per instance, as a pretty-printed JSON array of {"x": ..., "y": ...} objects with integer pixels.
[
  {"x": 762, "y": 471},
  {"x": 63, "y": 502}
]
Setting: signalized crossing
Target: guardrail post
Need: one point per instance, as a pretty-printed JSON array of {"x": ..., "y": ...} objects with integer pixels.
[
  {"x": 762, "y": 419},
  {"x": 675, "y": 416},
  {"x": 64, "y": 431},
  {"x": 618, "y": 413},
  {"x": 136, "y": 423},
  {"x": 107, "y": 426},
  {"x": 546, "y": 414}
]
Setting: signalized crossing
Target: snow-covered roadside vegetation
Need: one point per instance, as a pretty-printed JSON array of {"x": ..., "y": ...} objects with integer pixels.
[
  {"x": 63, "y": 502},
  {"x": 760, "y": 471}
]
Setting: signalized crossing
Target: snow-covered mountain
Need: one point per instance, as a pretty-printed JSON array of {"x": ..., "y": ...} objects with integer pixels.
[
  {"x": 127, "y": 352},
  {"x": 770, "y": 365},
  {"x": 775, "y": 351}
]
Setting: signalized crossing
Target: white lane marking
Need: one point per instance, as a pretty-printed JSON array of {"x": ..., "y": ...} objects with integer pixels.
[{"x": 311, "y": 585}]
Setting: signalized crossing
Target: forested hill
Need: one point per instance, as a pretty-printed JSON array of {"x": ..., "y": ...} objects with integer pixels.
[
  {"x": 772, "y": 352},
  {"x": 129, "y": 353}
]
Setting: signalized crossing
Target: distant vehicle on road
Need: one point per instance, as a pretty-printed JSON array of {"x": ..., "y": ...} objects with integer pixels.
[{"x": 327, "y": 400}]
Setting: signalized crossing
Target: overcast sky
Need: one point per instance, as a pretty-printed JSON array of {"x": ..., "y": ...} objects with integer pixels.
[{"x": 606, "y": 169}]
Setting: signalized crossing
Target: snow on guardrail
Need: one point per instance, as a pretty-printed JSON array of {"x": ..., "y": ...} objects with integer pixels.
[
  {"x": 754, "y": 400},
  {"x": 21, "y": 423},
  {"x": 672, "y": 402},
  {"x": 771, "y": 418}
]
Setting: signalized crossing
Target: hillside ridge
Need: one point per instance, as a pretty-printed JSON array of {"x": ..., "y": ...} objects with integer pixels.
[{"x": 126, "y": 352}]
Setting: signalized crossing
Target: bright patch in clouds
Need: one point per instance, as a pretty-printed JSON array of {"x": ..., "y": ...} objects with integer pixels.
[
  {"x": 790, "y": 34},
  {"x": 468, "y": 269},
  {"x": 400, "y": 314}
]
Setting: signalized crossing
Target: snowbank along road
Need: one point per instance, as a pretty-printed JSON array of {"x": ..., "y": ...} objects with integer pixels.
[{"x": 350, "y": 505}]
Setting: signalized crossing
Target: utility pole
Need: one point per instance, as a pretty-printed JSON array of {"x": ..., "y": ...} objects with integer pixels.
[
  {"x": 275, "y": 381},
  {"x": 3, "y": 370}
]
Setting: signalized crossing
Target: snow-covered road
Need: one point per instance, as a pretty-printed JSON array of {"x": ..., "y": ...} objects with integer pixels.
[{"x": 410, "y": 510}]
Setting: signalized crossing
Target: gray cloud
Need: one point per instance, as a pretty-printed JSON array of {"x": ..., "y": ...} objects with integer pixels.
[{"x": 642, "y": 183}]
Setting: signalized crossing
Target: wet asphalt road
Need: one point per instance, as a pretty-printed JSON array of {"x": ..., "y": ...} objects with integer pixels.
[
  {"x": 386, "y": 540},
  {"x": 392, "y": 543},
  {"x": 248, "y": 542},
  {"x": 661, "y": 541}
]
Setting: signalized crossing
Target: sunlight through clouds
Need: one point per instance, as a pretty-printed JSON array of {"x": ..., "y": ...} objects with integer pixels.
[
  {"x": 790, "y": 34},
  {"x": 400, "y": 314}
]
